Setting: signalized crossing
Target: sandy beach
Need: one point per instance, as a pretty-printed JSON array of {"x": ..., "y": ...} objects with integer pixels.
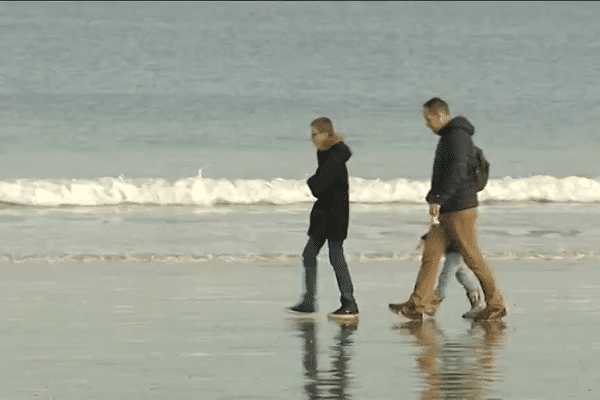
[
  {"x": 154, "y": 198},
  {"x": 219, "y": 331}
]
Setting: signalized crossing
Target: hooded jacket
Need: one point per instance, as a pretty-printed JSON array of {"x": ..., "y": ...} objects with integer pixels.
[
  {"x": 330, "y": 213},
  {"x": 453, "y": 177}
]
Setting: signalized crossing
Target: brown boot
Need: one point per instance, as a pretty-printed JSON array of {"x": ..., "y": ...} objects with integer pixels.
[
  {"x": 477, "y": 304},
  {"x": 410, "y": 310},
  {"x": 436, "y": 299},
  {"x": 492, "y": 313}
]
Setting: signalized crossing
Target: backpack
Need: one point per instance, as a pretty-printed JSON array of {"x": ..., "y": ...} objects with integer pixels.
[{"x": 482, "y": 169}]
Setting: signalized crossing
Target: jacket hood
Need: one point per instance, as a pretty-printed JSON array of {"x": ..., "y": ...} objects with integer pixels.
[
  {"x": 459, "y": 122},
  {"x": 340, "y": 151}
]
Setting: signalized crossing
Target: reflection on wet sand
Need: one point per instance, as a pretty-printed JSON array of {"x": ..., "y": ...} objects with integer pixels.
[
  {"x": 334, "y": 382},
  {"x": 462, "y": 367}
]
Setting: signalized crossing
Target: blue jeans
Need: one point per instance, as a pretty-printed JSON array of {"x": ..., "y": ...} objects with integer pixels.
[
  {"x": 338, "y": 262},
  {"x": 464, "y": 275}
]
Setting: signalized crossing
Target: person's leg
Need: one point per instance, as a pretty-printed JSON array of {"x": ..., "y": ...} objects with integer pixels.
[
  {"x": 309, "y": 259},
  {"x": 466, "y": 277},
  {"x": 342, "y": 274},
  {"x": 462, "y": 225},
  {"x": 474, "y": 292},
  {"x": 435, "y": 246},
  {"x": 451, "y": 262}
]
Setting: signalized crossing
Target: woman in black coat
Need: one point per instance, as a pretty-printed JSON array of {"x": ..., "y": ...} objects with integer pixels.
[{"x": 328, "y": 219}]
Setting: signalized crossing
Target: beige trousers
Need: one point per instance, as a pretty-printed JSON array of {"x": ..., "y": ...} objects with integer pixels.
[{"x": 460, "y": 228}]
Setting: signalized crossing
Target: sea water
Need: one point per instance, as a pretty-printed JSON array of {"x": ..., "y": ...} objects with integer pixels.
[{"x": 180, "y": 131}]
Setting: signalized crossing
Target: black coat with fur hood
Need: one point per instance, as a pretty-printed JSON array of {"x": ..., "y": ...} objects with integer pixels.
[
  {"x": 453, "y": 178},
  {"x": 330, "y": 213}
]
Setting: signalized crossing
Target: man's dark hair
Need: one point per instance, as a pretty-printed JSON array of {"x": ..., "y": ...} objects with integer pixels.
[{"x": 436, "y": 105}]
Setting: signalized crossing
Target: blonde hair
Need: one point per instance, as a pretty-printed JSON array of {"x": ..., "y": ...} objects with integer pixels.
[{"x": 324, "y": 124}]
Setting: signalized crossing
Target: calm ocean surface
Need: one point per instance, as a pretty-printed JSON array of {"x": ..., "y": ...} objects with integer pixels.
[{"x": 180, "y": 130}]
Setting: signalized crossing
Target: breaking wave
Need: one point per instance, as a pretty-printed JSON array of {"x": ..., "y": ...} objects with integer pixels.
[{"x": 206, "y": 192}]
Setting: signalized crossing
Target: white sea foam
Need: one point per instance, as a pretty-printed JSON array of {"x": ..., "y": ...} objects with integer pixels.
[
  {"x": 542, "y": 187},
  {"x": 281, "y": 259},
  {"x": 206, "y": 192}
]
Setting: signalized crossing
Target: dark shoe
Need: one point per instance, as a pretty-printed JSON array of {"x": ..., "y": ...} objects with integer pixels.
[
  {"x": 491, "y": 313},
  {"x": 348, "y": 311},
  {"x": 409, "y": 310},
  {"x": 302, "y": 308}
]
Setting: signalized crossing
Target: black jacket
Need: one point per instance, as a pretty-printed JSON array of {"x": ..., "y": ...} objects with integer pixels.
[
  {"x": 329, "y": 215},
  {"x": 453, "y": 178}
]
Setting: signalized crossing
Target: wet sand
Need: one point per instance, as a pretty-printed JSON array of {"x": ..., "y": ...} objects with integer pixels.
[{"x": 219, "y": 331}]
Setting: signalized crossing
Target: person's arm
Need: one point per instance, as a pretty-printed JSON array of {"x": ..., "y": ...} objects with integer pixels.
[
  {"x": 434, "y": 214},
  {"x": 321, "y": 182}
]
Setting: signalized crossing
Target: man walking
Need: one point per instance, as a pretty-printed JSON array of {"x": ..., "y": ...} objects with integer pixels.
[{"x": 453, "y": 216}]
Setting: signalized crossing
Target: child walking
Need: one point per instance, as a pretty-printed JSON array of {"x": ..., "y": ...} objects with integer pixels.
[{"x": 328, "y": 219}]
